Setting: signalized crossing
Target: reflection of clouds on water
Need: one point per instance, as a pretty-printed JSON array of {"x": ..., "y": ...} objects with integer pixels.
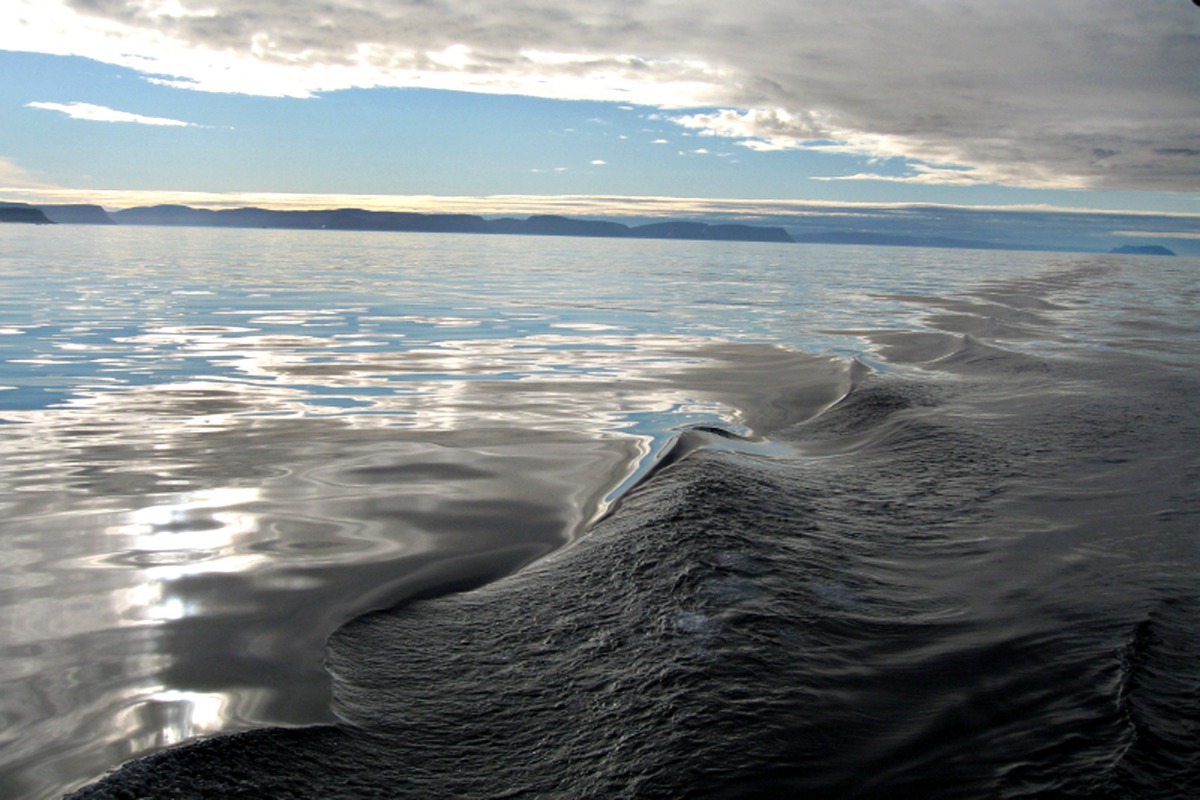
[
  {"x": 196, "y": 532},
  {"x": 527, "y": 381},
  {"x": 183, "y": 715}
]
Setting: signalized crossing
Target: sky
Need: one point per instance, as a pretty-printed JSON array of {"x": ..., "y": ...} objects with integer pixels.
[{"x": 1071, "y": 105}]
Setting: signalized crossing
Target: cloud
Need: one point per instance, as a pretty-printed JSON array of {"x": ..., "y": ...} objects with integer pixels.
[
  {"x": 1075, "y": 93},
  {"x": 927, "y": 175},
  {"x": 599, "y": 162},
  {"x": 15, "y": 176},
  {"x": 94, "y": 113},
  {"x": 774, "y": 129}
]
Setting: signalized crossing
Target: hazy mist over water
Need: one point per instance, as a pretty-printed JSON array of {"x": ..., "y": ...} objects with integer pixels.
[{"x": 900, "y": 519}]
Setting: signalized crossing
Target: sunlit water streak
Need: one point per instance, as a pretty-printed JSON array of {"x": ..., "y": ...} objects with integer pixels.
[{"x": 222, "y": 445}]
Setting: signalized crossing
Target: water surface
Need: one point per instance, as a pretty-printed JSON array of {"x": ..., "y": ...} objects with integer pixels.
[{"x": 939, "y": 501}]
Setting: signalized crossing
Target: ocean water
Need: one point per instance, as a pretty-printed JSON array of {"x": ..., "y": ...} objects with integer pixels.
[{"x": 389, "y": 515}]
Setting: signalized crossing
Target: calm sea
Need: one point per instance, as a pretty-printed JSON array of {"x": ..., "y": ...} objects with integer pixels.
[{"x": 469, "y": 516}]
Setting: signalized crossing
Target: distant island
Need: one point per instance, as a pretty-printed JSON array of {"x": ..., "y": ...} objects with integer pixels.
[
  {"x": 1142, "y": 250},
  {"x": 357, "y": 219}
]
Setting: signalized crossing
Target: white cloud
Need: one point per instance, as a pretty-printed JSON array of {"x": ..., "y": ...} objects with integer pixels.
[
  {"x": 94, "y": 113},
  {"x": 928, "y": 176},
  {"x": 15, "y": 176},
  {"x": 1091, "y": 93},
  {"x": 773, "y": 129},
  {"x": 597, "y": 162}
]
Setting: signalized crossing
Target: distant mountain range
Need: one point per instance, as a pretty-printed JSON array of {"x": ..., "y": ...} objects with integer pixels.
[{"x": 357, "y": 219}]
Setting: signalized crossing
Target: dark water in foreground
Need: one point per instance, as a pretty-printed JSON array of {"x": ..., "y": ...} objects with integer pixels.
[{"x": 884, "y": 539}]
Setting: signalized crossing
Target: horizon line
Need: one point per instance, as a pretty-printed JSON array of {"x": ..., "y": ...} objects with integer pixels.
[{"x": 600, "y": 204}]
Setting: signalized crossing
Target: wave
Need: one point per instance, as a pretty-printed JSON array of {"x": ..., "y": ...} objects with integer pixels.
[{"x": 1160, "y": 699}]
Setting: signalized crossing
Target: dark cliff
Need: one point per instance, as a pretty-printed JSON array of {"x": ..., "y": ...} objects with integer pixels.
[
  {"x": 77, "y": 214},
  {"x": 22, "y": 213}
]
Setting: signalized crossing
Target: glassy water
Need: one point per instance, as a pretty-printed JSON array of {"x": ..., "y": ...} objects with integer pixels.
[{"x": 939, "y": 500}]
